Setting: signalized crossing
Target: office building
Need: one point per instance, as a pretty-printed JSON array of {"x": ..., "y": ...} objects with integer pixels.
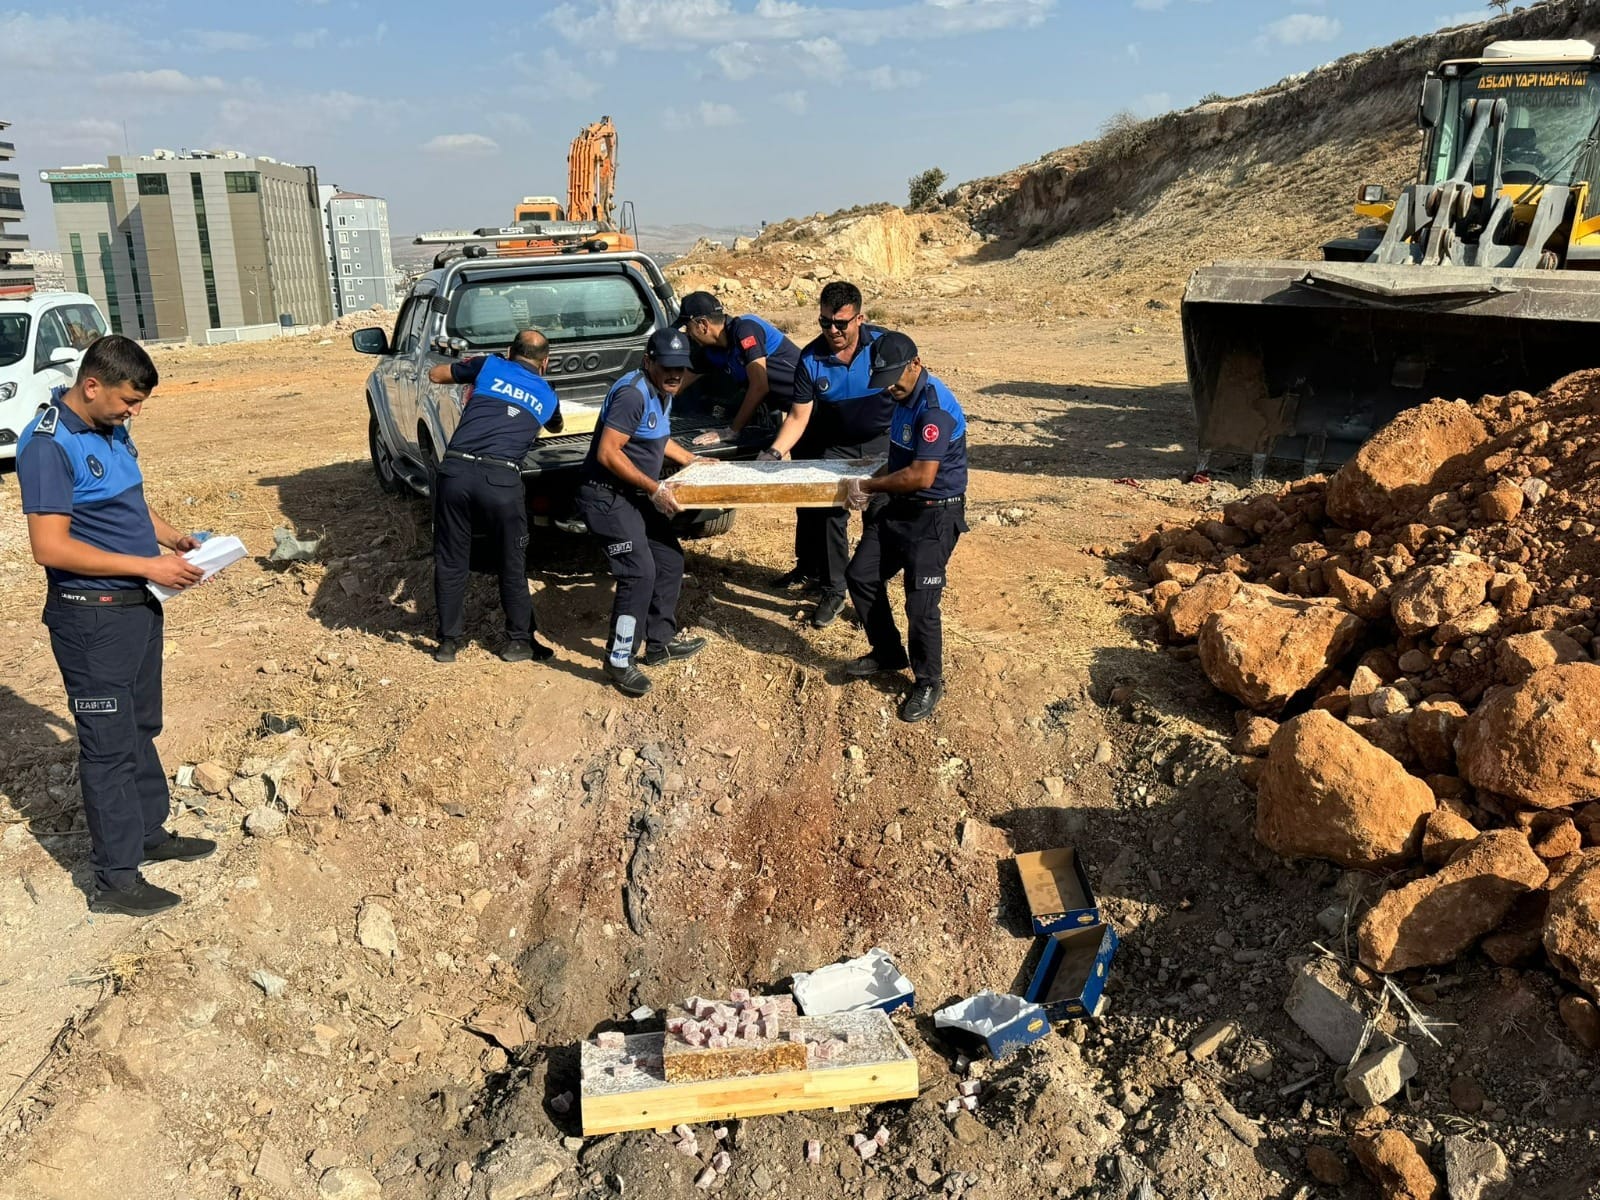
[
  {"x": 16, "y": 271},
  {"x": 174, "y": 246},
  {"x": 360, "y": 264}
]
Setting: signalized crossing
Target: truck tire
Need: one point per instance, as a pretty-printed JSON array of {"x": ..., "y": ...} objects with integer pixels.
[
  {"x": 389, "y": 481},
  {"x": 715, "y": 527}
]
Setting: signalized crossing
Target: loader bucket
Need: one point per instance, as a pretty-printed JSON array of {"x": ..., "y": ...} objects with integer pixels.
[{"x": 1302, "y": 361}]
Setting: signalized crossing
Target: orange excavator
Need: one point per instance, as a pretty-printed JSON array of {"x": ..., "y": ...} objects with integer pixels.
[{"x": 541, "y": 226}]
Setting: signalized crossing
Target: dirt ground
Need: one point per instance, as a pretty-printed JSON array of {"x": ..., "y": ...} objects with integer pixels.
[{"x": 760, "y": 815}]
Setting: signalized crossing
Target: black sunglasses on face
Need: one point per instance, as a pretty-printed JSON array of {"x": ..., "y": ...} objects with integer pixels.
[{"x": 838, "y": 326}]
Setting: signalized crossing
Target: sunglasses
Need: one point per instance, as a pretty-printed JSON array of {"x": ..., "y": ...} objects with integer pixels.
[{"x": 836, "y": 325}]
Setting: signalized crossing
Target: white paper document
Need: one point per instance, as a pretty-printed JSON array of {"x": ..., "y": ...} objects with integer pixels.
[{"x": 210, "y": 556}]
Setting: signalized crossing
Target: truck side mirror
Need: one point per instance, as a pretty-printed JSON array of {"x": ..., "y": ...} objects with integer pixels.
[
  {"x": 1431, "y": 106},
  {"x": 370, "y": 341}
]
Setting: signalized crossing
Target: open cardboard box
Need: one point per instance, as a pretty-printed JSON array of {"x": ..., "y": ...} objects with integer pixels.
[
  {"x": 1058, "y": 890},
  {"x": 858, "y": 984},
  {"x": 1070, "y": 980}
]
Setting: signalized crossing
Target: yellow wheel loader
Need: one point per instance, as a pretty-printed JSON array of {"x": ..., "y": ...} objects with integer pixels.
[{"x": 1481, "y": 277}]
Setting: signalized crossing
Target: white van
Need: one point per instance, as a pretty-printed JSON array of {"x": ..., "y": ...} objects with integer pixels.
[{"x": 42, "y": 339}]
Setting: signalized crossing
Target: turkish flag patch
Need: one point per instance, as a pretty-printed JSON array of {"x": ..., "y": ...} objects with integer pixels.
[
  {"x": 749, "y": 343},
  {"x": 930, "y": 433}
]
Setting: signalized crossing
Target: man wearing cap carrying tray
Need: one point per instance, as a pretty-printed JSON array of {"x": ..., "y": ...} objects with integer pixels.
[
  {"x": 751, "y": 353},
  {"x": 626, "y": 505},
  {"x": 915, "y": 510}
]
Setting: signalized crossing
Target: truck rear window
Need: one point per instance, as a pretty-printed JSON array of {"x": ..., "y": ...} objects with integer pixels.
[{"x": 490, "y": 312}]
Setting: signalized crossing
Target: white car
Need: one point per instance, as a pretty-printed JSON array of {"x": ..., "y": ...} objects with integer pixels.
[{"x": 42, "y": 339}]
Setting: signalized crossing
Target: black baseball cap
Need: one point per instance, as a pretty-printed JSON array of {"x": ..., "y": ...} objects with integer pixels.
[
  {"x": 668, "y": 347},
  {"x": 698, "y": 304},
  {"x": 891, "y": 355}
]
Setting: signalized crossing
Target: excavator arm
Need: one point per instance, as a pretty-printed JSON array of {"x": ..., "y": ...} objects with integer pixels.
[{"x": 592, "y": 172}]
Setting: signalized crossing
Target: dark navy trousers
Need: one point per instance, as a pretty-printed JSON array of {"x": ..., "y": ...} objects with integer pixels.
[
  {"x": 822, "y": 535},
  {"x": 646, "y": 559},
  {"x": 906, "y": 535},
  {"x": 486, "y": 496},
  {"x": 110, "y": 660}
]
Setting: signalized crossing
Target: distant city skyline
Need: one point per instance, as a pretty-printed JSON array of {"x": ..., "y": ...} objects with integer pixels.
[{"x": 730, "y": 112}]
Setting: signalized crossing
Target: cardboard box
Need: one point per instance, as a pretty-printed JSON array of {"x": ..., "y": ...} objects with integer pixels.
[
  {"x": 1070, "y": 980},
  {"x": 1001, "y": 1023},
  {"x": 856, "y": 985},
  {"x": 1058, "y": 890}
]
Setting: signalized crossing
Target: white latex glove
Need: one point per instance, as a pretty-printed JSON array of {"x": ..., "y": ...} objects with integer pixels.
[
  {"x": 715, "y": 437},
  {"x": 856, "y": 496},
  {"x": 666, "y": 503}
]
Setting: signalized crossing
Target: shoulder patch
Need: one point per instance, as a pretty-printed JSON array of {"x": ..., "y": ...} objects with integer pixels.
[
  {"x": 749, "y": 342},
  {"x": 930, "y": 432},
  {"x": 47, "y": 423}
]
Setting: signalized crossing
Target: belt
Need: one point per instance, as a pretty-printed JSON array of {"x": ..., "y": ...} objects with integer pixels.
[
  {"x": 483, "y": 458},
  {"x": 916, "y": 502},
  {"x": 90, "y": 599}
]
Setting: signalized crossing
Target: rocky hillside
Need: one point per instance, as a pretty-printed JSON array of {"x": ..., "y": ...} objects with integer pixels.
[{"x": 1120, "y": 222}]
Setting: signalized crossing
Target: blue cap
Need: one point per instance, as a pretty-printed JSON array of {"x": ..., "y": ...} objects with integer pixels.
[
  {"x": 891, "y": 355},
  {"x": 669, "y": 347}
]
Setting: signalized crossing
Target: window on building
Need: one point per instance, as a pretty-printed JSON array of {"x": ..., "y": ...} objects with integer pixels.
[
  {"x": 243, "y": 181},
  {"x": 87, "y": 191},
  {"x": 11, "y": 198},
  {"x": 108, "y": 272},
  {"x": 76, "y": 242},
  {"x": 341, "y": 220},
  {"x": 153, "y": 185},
  {"x": 345, "y": 267},
  {"x": 212, "y": 309},
  {"x": 344, "y": 251},
  {"x": 343, "y": 236}
]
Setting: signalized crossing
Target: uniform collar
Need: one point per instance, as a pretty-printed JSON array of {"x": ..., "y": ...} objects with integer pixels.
[
  {"x": 71, "y": 421},
  {"x": 824, "y": 352},
  {"x": 924, "y": 385}
]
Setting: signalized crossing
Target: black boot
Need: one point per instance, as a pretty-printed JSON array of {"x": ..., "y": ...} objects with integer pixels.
[{"x": 139, "y": 899}]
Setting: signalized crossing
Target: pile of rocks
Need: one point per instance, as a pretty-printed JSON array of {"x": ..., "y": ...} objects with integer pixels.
[{"x": 1412, "y": 640}]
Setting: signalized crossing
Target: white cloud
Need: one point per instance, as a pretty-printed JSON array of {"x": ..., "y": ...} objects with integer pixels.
[
  {"x": 466, "y": 145},
  {"x": 554, "y": 74},
  {"x": 708, "y": 114},
  {"x": 673, "y": 24},
  {"x": 1300, "y": 29},
  {"x": 309, "y": 39},
  {"x": 889, "y": 79},
  {"x": 795, "y": 102},
  {"x": 734, "y": 59},
  {"x": 212, "y": 41},
  {"x": 1132, "y": 51},
  {"x": 163, "y": 82},
  {"x": 34, "y": 43},
  {"x": 95, "y": 133}
]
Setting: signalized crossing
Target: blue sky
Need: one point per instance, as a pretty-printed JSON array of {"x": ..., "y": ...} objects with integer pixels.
[{"x": 730, "y": 111}]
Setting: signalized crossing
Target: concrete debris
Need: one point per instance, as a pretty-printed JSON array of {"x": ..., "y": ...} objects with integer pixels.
[
  {"x": 352, "y": 1183},
  {"x": 212, "y": 778},
  {"x": 1475, "y": 1170},
  {"x": 522, "y": 1166},
  {"x": 1377, "y": 1076},
  {"x": 375, "y": 930},
  {"x": 266, "y": 821},
  {"x": 272, "y": 985},
  {"x": 287, "y": 548}
]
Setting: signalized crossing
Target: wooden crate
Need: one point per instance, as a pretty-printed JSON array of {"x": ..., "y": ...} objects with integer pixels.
[
  {"x": 812, "y": 483},
  {"x": 875, "y": 1069}
]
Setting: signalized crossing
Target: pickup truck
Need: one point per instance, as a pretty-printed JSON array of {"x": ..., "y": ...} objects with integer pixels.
[{"x": 597, "y": 309}]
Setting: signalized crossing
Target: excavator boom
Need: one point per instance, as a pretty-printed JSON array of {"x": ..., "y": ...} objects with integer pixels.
[
  {"x": 592, "y": 172},
  {"x": 1480, "y": 279}
]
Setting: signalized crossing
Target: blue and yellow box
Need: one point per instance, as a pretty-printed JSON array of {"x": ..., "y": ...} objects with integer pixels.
[
  {"x": 1058, "y": 890},
  {"x": 1000, "y": 1022},
  {"x": 1070, "y": 980}
]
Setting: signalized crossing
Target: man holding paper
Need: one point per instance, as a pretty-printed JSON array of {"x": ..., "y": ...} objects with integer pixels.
[{"x": 100, "y": 544}]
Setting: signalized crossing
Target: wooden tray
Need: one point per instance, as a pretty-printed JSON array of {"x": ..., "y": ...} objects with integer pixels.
[
  {"x": 876, "y": 1068},
  {"x": 810, "y": 483}
]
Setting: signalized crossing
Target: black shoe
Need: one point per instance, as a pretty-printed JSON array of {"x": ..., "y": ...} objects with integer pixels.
[
  {"x": 867, "y": 665},
  {"x": 919, "y": 705},
  {"x": 678, "y": 647},
  {"x": 180, "y": 849},
  {"x": 541, "y": 652},
  {"x": 828, "y": 610},
  {"x": 630, "y": 680},
  {"x": 796, "y": 578},
  {"x": 141, "y": 899},
  {"x": 445, "y": 652}
]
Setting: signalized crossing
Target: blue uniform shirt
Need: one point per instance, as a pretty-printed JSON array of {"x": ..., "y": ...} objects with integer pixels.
[
  {"x": 929, "y": 424},
  {"x": 505, "y": 408},
  {"x": 67, "y": 467},
  {"x": 750, "y": 338},
  {"x": 847, "y": 410},
  {"x": 634, "y": 407}
]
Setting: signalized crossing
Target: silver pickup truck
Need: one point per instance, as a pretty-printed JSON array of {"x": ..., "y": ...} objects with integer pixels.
[{"x": 597, "y": 309}]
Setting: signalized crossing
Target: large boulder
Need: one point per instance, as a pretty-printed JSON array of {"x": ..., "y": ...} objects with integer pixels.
[
  {"x": 1437, "y": 918},
  {"x": 1404, "y": 463},
  {"x": 1189, "y": 610},
  {"x": 1427, "y": 597},
  {"x": 1327, "y": 792},
  {"x": 1521, "y": 654},
  {"x": 1265, "y": 647},
  {"x": 1535, "y": 742},
  {"x": 1572, "y": 925}
]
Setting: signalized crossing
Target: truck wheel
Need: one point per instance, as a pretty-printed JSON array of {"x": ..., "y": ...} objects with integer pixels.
[
  {"x": 389, "y": 480},
  {"x": 716, "y": 526}
]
